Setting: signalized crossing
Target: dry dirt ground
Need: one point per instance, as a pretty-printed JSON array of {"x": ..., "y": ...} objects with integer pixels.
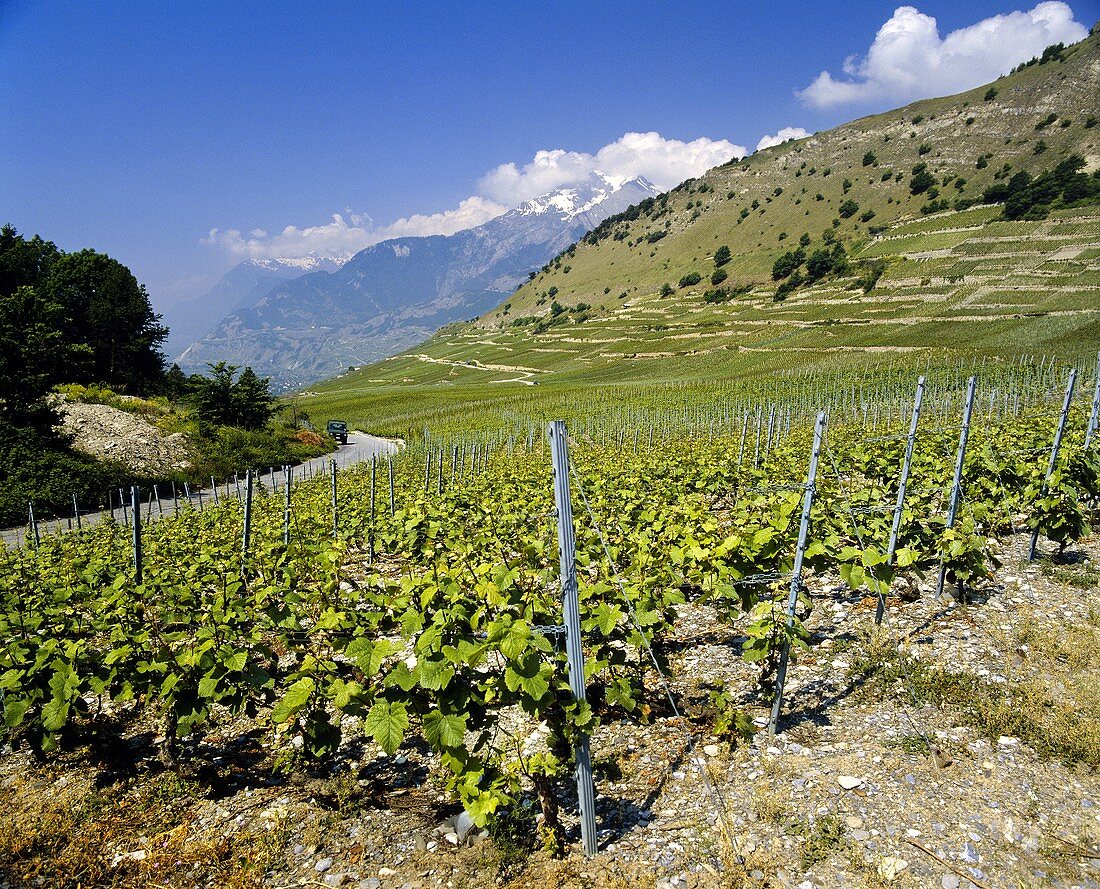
[{"x": 956, "y": 747}]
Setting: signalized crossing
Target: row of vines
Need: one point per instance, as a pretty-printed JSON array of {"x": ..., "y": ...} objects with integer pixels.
[{"x": 434, "y": 619}]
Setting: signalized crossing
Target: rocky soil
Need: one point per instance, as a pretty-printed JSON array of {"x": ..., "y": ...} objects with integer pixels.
[
  {"x": 112, "y": 434},
  {"x": 884, "y": 773}
]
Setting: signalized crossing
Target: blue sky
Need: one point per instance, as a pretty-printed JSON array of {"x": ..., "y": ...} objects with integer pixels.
[{"x": 138, "y": 127}]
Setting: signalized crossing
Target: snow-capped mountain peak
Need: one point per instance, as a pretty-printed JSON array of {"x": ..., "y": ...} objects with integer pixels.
[
  {"x": 573, "y": 201},
  {"x": 302, "y": 264}
]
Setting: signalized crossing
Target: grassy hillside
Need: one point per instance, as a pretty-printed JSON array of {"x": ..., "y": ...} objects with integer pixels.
[{"x": 928, "y": 272}]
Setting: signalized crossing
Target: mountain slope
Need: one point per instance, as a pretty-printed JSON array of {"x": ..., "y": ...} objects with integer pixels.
[
  {"x": 921, "y": 276},
  {"x": 397, "y": 293},
  {"x": 239, "y": 287}
]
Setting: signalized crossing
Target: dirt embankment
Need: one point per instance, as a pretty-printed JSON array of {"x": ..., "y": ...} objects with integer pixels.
[{"x": 112, "y": 434}]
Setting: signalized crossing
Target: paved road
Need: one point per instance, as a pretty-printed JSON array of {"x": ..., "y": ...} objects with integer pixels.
[{"x": 359, "y": 449}]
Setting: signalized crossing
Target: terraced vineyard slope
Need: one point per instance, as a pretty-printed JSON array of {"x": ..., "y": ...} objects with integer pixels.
[{"x": 874, "y": 240}]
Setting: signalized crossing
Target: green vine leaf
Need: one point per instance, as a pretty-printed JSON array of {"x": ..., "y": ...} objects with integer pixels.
[{"x": 386, "y": 723}]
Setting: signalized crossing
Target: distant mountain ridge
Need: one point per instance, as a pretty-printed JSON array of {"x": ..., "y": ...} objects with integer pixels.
[
  {"x": 241, "y": 286},
  {"x": 395, "y": 294}
]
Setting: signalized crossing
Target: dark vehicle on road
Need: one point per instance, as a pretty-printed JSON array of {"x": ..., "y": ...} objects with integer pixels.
[{"x": 338, "y": 429}]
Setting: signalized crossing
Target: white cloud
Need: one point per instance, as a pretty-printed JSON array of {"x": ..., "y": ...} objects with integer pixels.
[
  {"x": 337, "y": 239},
  {"x": 469, "y": 213},
  {"x": 664, "y": 162},
  {"x": 782, "y": 136},
  {"x": 348, "y": 233},
  {"x": 909, "y": 60}
]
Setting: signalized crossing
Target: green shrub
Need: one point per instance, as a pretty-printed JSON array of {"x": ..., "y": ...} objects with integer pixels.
[
  {"x": 922, "y": 181},
  {"x": 43, "y": 470},
  {"x": 788, "y": 263}
]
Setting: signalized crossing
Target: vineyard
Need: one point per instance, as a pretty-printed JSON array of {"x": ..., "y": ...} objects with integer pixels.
[{"x": 413, "y": 605}]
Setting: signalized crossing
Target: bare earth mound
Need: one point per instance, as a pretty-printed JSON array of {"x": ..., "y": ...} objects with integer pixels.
[{"x": 111, "y": 434}]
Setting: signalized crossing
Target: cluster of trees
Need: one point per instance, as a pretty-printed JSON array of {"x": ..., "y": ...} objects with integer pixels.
[
  {"x": 223, "y": 398},
  {"x": 830, "y": 259},
  {"x": 922, "y": 180},
  {"x": 70, "y": 318},
  {"x": 617, "y": 226},
  {"x": 1028, "y": 197},
  {"x": 1053, "y": 53},
  {"x": 82, "y": 318}
]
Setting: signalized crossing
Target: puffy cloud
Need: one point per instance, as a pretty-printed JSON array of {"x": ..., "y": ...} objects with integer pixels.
[
  {"x": 337, "y": 239},
  {"x": 349, "y": 233},
  {"x": 909, "y": 60},
  {"x": 782, "y": 136},
  {"x": 469, "y": 213},
  {"x": 664, "y": 162}
]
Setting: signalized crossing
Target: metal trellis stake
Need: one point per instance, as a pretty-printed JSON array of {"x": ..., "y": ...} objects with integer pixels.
[
  {"x": 956, "y": 484},
  {"x": 389, "y": 462},
  {"x": 370, "y": 539},
  {"x": 1094, "y": 414},
  {"x": 286, "y": 504},
  {"x": 796, "y": 572},
  {"x": 335, "y": 506},
  {"x": 135, "y": 508},
  {"x": 1054, "y": 454},
  {"x": 586, "y": 792},
  {"x": 76, "y": 512},
  {"x": 32, "y": 522},
  {"x": 902, "y": 482},
  {"x": 246, "y": 533}
]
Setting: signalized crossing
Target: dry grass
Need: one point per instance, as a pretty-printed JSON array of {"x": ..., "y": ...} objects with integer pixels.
[
  {"x": 69, "y": 835},
  {"x": 1061, "y": 726}
]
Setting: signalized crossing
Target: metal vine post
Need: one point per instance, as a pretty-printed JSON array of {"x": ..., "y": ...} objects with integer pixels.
[
  {"x": 796, "y": 573},
  {"x": 956, "y": 484},
  {"x": 567, "y": 556},
  {"x": 287, "y": 472},
  {"x": 246, "y": 532},
  {"x": 335, "y": 507},
  {"x": 135, "y": 506},
  {"x": 895, "y": 528},
  {"x": 1055, "y": 447},
  {"x": 1094, "y": 414}
]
